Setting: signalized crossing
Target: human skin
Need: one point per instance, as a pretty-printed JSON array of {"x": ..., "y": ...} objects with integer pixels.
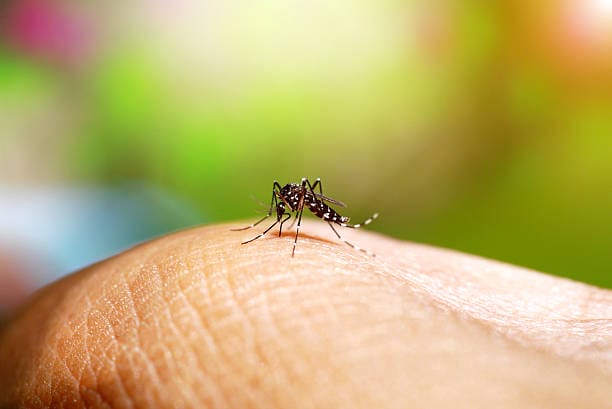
[{"x": 196, "y": 320}]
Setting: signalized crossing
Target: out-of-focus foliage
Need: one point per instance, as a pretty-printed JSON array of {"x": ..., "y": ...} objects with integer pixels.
[{"x": 481, "y": 126}]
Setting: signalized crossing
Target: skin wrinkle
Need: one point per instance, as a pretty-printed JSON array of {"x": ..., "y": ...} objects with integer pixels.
[
  {"x": 206, "y": 383},
  {"x": 360, "y": 367},
  {"x": 106, "y": 359},
  {"x": 199, "y": 318},
  {"x": 154, "y": 295},
  {"x": 92, "y": 397},
  {"x": 162, "y": 365},
  {"x": 236, "y": 295},
  {"x": 153, "y": 279},
  {"x": 266, "y": 332},
  {"x": 123, "y": 398},
  {"x": 279, "y": 287},
  {"x": 60, "y": 358},
  {"x": 195, "y": 360},
  {"x": 151, "y": 271},
  {"x": 90, "y": 355},
  {"x": 129, "y": 299},
  {"x": 115, "y": 344},
  {"x": 141, "y": 289},
  {"x": 309, "y": 310},
  {"x": 233, "y": 317},
  {"x": 281, "y": 337},
  {"x": 86, "y": 393},
  {"x": 56, "y": 358},
  {"x": 207, "y": 326},
  {"x": 526, "y": 324},
  {"x": 252, "y": 352},
  {"x": 242, "y": 374},
  {"x": 73, "y": 333}
]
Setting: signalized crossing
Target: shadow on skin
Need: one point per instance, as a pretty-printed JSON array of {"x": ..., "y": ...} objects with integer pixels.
[{"x": 290, "y": 234}]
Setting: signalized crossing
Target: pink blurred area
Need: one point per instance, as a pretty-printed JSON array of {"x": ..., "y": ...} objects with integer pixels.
[
  {"x": 15, "y": 279},
  {"x": 47, "y": 30},
  {"x": 573, "y": 38}
]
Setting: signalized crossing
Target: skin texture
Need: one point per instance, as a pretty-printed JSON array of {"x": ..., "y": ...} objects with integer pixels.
[{"x": 196, "y": 320}]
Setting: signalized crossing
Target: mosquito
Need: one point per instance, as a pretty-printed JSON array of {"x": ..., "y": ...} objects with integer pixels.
[{"x": 293, "y": 198}]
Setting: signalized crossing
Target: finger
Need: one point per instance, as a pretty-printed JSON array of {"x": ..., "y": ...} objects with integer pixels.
[{"x": 197, "y": 320}]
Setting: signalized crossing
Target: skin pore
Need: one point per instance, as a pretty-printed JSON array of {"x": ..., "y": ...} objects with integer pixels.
[{"x": 196, "y": 320}]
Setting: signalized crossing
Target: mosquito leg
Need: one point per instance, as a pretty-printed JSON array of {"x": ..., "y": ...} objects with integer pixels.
[
  {"x": 315, "y": 184},
  {"x": 297, "y": 232},
  {"x": 319, "y": 196},
  {"x": 273, "y": 202},
  {"x": 300, "y": 210},
  {"x": 349, "y": 243},
  {"x": 250, "y": 226},
  {"x": 262, "y": 234},
  {"x": 280, "y": 230},
  {"x": 363, "y": 223}
]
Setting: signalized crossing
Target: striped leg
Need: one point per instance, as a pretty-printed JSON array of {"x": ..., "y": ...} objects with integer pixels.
[
  {"x": 280, "y": 230},
  {"x": 314, "y": 185},
  {"x": 297, "y": 231},
  {"x": 363, "y": 223},
  {"x": 320, "y": 195},
  {"x": 262, "y": 234},
  {"x": 254, "y": 224},
  {"x": 369, "y": 253}
]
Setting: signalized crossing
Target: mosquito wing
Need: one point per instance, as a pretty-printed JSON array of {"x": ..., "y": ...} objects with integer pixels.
[{"x": 329, "y": 199}]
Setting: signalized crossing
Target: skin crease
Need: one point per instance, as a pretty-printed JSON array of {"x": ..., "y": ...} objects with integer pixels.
[{"x": 196, "y": 320}]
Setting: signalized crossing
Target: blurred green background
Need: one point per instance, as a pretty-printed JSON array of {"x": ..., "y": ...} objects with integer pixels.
[{"x": 483, "y": 126}]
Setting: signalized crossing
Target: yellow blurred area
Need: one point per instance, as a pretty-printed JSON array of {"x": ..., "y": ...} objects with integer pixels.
[{"x": 481, "y": 126}]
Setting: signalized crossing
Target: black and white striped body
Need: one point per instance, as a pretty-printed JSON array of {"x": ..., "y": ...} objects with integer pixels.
[
  {"x": 293, "y": 198},
  {"x": 323, "y": 211}
]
